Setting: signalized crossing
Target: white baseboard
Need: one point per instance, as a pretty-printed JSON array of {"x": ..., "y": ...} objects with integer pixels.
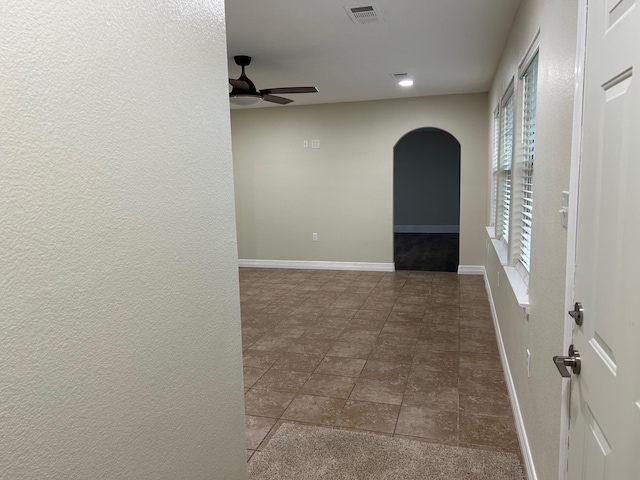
[
  {"x": 426, "y": 229},
  {"x": 517, "y": 413},
  {"x": 470, "y": 269},
  {"x": 317, "y": 265}
]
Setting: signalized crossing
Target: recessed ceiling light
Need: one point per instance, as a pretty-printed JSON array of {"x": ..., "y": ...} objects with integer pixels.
[{"x": 403, "y": 79}]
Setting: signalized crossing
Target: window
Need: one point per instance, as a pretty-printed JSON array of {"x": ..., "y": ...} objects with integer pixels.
[
  {"x": 506, "y": 152},
  {"x": 494, "y": 166},
  {"x": 530, "y": 82},
  {"x": 512, "y": 157}
]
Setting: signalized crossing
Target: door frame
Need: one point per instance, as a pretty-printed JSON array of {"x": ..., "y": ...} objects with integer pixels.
[{"x": 572, "y": 227}]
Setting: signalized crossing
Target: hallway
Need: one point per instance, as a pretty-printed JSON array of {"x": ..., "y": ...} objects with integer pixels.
[{"x": 409, "y": 354}]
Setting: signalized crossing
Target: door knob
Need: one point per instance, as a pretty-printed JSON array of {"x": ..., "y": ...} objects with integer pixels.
[
  {"x": 572, "y": 360},
  {"x": 577, "y": 313}
]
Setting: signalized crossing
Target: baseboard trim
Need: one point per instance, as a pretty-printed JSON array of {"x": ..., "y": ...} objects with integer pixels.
[
  {"x": 471, "y": 270},
  {"x": 318, "y": 265},
  {"x": 515, "y": 405},
  {"x": 426, "y": 229}
]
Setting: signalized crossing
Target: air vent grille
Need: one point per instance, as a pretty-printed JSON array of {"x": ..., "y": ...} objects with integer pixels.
[{"x": 363, "y": 13}]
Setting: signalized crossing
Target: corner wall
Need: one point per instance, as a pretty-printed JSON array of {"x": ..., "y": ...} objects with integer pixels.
[
  {"x": 119, "y": 320},
  {"x": 344, "y": 190},
  {"x": 543, "y": 332}
]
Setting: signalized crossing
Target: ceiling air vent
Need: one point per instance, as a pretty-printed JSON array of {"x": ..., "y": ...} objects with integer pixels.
[{"x": 363, "y": 13}]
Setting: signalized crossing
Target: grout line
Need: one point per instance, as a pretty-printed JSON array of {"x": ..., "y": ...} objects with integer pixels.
[{"x": 265, "y": 280}]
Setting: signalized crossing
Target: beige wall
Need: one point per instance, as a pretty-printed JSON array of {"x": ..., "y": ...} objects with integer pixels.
[
  {"x": 543, "y": 332},
  {"x": 344, "y": 190},
  {"x": 119, "y": 320}
]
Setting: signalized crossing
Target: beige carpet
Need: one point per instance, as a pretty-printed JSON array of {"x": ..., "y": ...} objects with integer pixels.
[{"x": 308, "y": 453}]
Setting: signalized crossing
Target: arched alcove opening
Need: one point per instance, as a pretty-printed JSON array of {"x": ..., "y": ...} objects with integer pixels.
[{"x": 426, "y": 201}]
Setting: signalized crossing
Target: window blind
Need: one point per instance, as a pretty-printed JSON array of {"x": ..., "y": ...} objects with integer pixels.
[
  {"x": 494, "y": 166},
  {"x": 506, "y": 152},
  {"x": 530, "y": 80}
]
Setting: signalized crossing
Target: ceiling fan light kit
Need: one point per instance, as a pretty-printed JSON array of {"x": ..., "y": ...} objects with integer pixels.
[
  {"x": 245, "y": 100},
  {"x": 244, "y": 91}
]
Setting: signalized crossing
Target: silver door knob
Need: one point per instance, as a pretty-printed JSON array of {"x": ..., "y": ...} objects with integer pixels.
[{"x": 572, "y": 360}]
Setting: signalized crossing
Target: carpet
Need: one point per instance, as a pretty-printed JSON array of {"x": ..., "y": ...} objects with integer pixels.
[{"x": 310, "y": 453}]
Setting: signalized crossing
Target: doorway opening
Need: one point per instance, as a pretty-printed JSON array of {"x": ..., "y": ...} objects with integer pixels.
[{"x": 426, "y": 201}]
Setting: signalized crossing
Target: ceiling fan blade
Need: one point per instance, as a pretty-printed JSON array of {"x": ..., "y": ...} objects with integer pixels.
[
  {"x": 241, "y": 84},
  {"x": 274, "y": 99},
  {"x": 290, "y": 90}
]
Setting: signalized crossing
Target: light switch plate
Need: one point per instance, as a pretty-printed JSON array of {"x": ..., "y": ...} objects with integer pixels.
[{"x": 315, "y": 143}]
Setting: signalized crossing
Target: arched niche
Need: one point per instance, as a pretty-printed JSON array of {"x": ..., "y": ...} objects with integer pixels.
[{"x": 426, "y": 200}]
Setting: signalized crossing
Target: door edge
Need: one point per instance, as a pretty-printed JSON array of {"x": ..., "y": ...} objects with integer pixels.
[{"x": 572, "y": 229}]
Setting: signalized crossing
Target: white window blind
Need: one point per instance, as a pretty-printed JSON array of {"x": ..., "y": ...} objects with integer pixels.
[
  {"x": 506, "y": 152},
  {"x": 530, "y": 81},
  {"x": 494, "y": 166}
]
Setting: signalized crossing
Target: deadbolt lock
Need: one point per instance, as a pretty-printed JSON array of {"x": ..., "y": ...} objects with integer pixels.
[{"x": 577, "y": 313}]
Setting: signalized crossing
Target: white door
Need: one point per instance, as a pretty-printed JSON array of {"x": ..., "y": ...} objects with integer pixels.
[{"x": 604, "y": 437}]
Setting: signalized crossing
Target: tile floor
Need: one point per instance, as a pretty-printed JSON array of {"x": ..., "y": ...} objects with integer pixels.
[{"x": 411, "y": 354}]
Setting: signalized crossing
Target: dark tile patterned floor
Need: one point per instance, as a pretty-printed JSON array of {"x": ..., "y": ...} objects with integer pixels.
[
  {"x": 434, "y": 252},
  {"x": 409, "y": 354}
]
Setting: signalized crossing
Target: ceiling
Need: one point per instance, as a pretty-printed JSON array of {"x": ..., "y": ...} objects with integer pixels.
[{"x": 447, "y": 46}]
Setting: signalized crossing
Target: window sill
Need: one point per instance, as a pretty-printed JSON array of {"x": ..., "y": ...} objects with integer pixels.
[
  {"x": 501, "y": 251},
  {"x": 518, "y": 285},
  {"x": 491, "y": 231}
]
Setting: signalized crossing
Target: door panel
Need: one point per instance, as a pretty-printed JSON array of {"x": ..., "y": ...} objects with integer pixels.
[
  {"x": 598, "y": 450},
  {"x": 617, "y": 9},
  {"x": 604, "y": 434}
]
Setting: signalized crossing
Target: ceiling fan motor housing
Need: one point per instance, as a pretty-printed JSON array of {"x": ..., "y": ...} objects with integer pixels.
[{"x": 242, "y": 60}]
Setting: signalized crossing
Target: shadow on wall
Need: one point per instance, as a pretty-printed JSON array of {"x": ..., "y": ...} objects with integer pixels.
[{"x": 426, "y": 201}]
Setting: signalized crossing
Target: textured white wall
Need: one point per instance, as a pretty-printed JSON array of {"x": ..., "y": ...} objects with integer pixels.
[
  {"x": 344, "y": 190},
  {"x": 119, "y": 322},
  {"x": 543, "y": 332}
]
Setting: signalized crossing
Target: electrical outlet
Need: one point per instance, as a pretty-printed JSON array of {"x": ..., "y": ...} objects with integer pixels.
[
  {"x": 315, "y": 237},
  {"x": 528, "y": 363},
  {"x": 305, "y": 144}
]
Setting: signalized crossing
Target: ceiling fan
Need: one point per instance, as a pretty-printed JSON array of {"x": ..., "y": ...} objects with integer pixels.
[{"x": 244, "y": 91}]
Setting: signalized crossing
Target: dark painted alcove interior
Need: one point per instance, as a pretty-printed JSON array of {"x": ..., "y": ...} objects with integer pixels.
[{"x": 426, "y": 201}]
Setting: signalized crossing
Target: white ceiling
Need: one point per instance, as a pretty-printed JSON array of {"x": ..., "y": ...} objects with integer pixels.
[{"x": 447, "y": 46}]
